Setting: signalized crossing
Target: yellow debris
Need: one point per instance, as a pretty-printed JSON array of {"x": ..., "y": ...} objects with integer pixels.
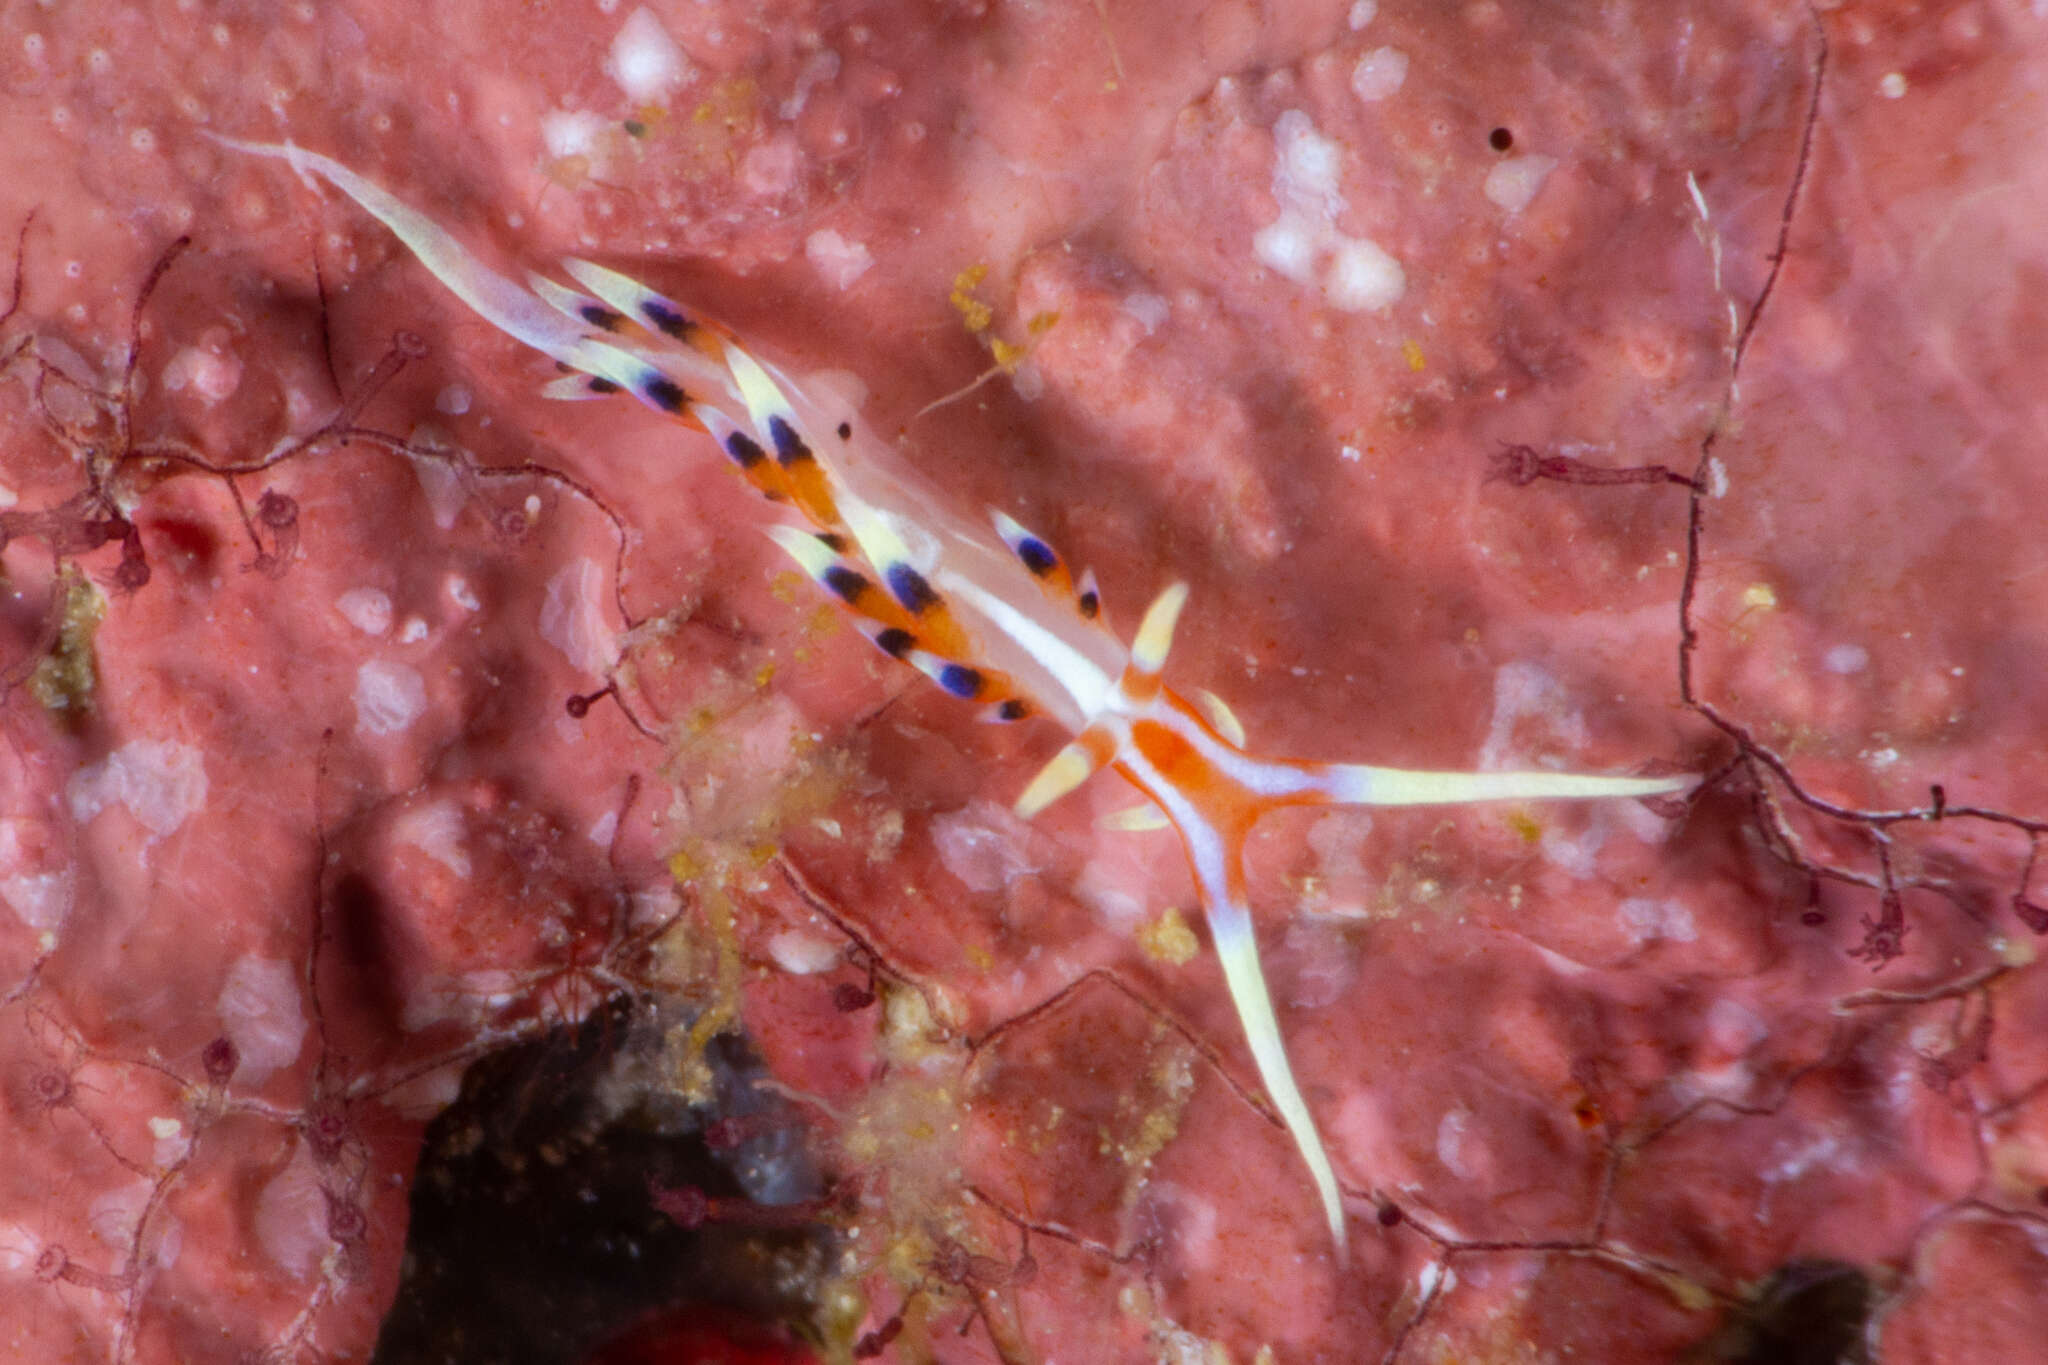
[
  {"x": 1168, "y": 939},
  {"x": 65, "y": 678},
  {"x": 972, "y": 310}
]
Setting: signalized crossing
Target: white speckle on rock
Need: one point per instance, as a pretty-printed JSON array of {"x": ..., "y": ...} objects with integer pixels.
[
  {"x": 1717, "y": 477},
  {"x": 982, "y": 844},
  {"x": 171, "y": 1144},
  {"x": 1359, "y": 275},
  {"x": 644, "y": 60},
  {"x": 1454, "y": 1146},
  {"x": 42, "y": 900},
  {"x": 290, "y": 1218},
  {"x": 453, "y": 400},
  {"x": 1524, "y": 692},
  {"x": 570, "y": 132},
  {"x": 1579, "y": 856},
  {"x": 1731, "y": 1029},
  {"x": 262, "y": 1015},
  {"x": 389, "y": 697},
  {"x": 20, "y": 1248},
  {"x": 116, "y": 1218},
  {"x": 1379, "y": 74},
  {"x": 1195, "y": 1221},
  {"x": 1113, "y": 891},
  {"x": 1362, "y": 12},
  {"x": 161, "y": 782},
  {"x": 36, "y": 878},
  {"x": 818, "y": 69},
  {"x": 652, "y": 905},
  {"x": 367, "y": 609},
  {"x": 438, "y": 830},
  {"x": 1151, "y": 310},
  {"x": 467, "y": 997},
  {"x": 212, "y": 376},
  {"x": 1285, "y": 245},
  {"x": 425, "y": 1096},
  {"x": 1027, "y": 381},
  {"x": 443, "y": 485},
  {"x": 413, "y": 631},
  {"x": 770, "y": 168},
  {"x": 1892, "y": 85},
  {"x": 803, "y": 954},
  {"x": 838, "y": 261},
  {"x": 1308, "y": 161},
  {"x": 461, "y": 593},
  {"x": 1648, "y": 920},
  {"x": 1797, "y": 1157},
  {"x": 1846, "y": 659},
  {"x": 604, "y": 828},
  {"x": 1362, "y": 276},
  {"x": 1513, "y": 183},
  {"x": 572, "y": 617}
]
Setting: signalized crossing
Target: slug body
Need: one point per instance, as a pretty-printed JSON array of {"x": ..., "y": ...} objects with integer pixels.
[{"x": 988, "y": 612}]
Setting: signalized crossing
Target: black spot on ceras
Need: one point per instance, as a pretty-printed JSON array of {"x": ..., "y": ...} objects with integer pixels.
[
  {"x": 665, "y": 319},
  {"x": 908, "y": 586}
]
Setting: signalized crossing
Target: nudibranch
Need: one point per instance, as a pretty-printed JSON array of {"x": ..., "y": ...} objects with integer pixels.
[{"x": 990, "y": 613}]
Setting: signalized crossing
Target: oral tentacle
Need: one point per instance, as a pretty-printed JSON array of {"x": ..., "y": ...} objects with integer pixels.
[{"x": 1362, "y": 784}]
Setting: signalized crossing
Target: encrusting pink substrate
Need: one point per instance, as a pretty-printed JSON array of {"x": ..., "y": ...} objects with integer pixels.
[{"x": 1514, "y": 390}]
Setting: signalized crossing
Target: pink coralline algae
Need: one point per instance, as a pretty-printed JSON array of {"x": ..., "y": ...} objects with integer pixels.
[{"x": 1514, "y": 387}]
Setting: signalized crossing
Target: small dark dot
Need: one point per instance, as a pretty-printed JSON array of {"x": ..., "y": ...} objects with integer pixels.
[
  {"x": 1090, "y": 603},
  {"x": 666, "y": 394},
  {"x": 1012, "y": 709},
  {"x": 909, "y": 587},
  {"x": 667, "y": 319},
  {"x": 789, "y": 447},
  {"x": 845, "y": 583},
  {"x": 832, "y": 541},
  {"x": 1500, "y": 139},
  {"x": 577, "y": 707},
  {"x": 602, "y": 385},
  {"x": 744, "y": 449},
  {"x": 960, "y": 680},
  {"x": 846, "y": 431},
  {"x": 635, "y": 128},
  {"x": 1389, "y": 1215},
  {"x": 1037, "y": 556},
  {"x": 1813, "y": 917},
  {"x": 597, "y": 315},
  {"x": 895, "y": 642}
]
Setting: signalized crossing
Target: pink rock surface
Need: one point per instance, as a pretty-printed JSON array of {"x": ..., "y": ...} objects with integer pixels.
[{"x": 1283, "y": 285}]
